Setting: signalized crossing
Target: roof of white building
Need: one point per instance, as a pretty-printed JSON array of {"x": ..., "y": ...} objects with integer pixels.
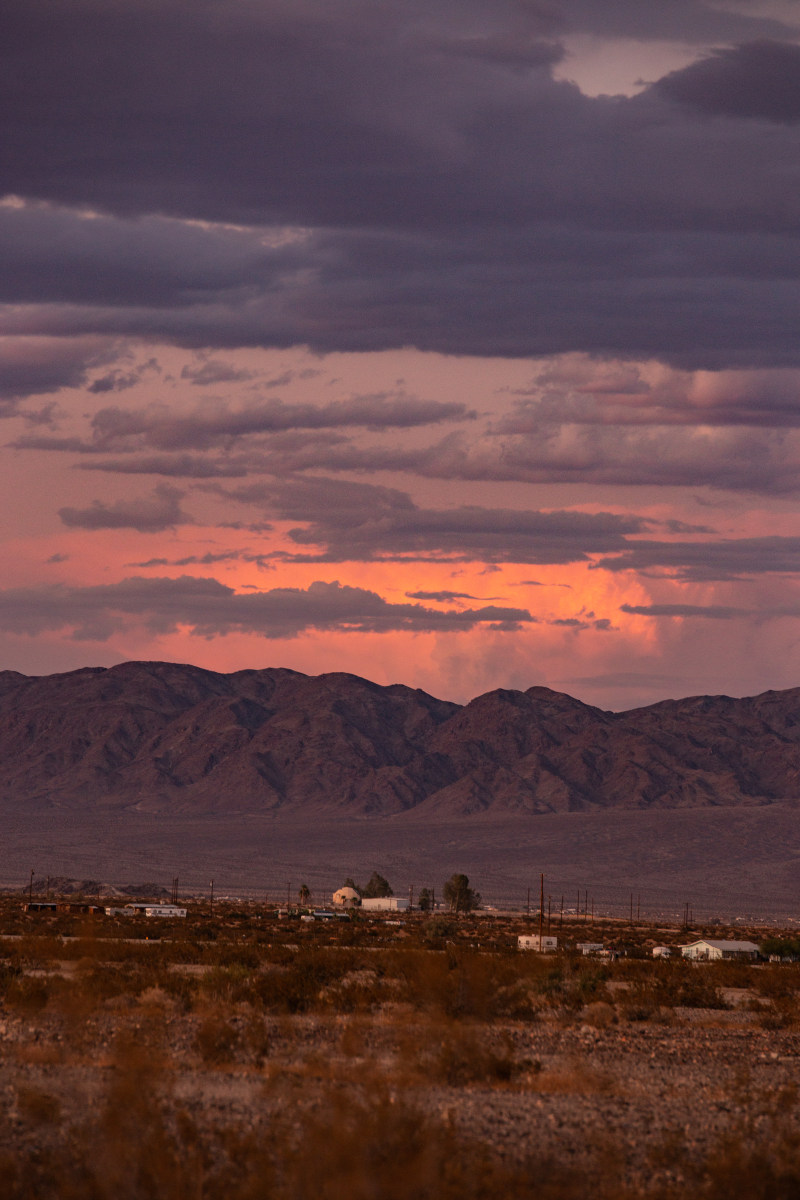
[{"x": 718, "y": 944}]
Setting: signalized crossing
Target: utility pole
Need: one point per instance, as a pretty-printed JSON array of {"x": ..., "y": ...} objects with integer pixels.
[
  {"x": 211, "y": 912},
  {"x": 549, "y": 912},
  {"x": 410, "y": 897},
  {"x": 631, "y": 908},
  {"x": 529, "y": 901},
  {"x": 638, "y": 910},
  {"x": 541, "y": 912},
  {"x": 288, "y": 893},
  {"x": 30, "y": 889},
  {"x": 561, "y": 918}
]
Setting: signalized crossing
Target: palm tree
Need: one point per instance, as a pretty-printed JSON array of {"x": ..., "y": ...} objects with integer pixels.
[{"x": 304, "y": 894}]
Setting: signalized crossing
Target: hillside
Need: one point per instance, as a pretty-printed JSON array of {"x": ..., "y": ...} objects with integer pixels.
[{"x": 161, "y": 737}]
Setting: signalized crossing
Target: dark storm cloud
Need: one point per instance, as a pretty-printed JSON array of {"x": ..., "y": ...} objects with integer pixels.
[
  {"x": 715, "y": 612},
  {"x": 436, "y": 186},
  {"x": 736, "y": 558},
  {"x": 440, "y": 597},
  {"x": 40, "y": 365},
  {"x": 147, "y": 515},
  {"x": 175, "y": 466},
  {"x": 349, "y": 521},
  {"x": 209, "y": 609},
  {"x": 718, "y": 612},
  {"x": 678, "y": 21},
  {"x": 156, "y": 427},
  {"x": 760, "y": 80}
]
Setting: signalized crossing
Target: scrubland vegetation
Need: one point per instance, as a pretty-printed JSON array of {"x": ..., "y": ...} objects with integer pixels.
[{"x": 249, "y": 1056}]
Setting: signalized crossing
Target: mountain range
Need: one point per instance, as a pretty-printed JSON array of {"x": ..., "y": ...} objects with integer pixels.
[{"x": 166, "y": 738}]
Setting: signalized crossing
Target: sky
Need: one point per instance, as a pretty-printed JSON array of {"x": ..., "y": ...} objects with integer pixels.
[{"x": 453, "y": 344}]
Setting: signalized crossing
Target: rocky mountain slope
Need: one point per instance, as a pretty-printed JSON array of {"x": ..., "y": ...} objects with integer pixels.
[{"x": 161, "y": 737}]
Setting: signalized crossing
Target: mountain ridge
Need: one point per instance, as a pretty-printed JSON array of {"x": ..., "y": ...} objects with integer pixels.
[{"x": 168, "y": 737}]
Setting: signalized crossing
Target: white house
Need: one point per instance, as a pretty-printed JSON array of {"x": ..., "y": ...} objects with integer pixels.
[
  {"x": 148, "y": 909},
  {"x": 535, "y": 941},
  {"x": 708, "y": 950}
]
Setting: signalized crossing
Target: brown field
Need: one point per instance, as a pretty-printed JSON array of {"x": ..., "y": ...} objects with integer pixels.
[{"x": 251, "y": 1056}]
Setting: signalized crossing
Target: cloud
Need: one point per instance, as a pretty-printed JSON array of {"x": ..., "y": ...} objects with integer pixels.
[
  {"x": 213, "y": 371},
  {"x": 759, "y": 80},
  {"x": 159, "y": 512},
  {"x": 442, "y": 597},
  {"x": 157, "y": 427},
  {"x": 715, "y": 612},
  {"x": 718, "y": 612},
  {"x": 208, "y": 609},
  {"x": 735, "y": 558},
  {"x": 351, "y": 521},
  {"x": 401, "y": 175},
  {"x": 41, "y": 365}
]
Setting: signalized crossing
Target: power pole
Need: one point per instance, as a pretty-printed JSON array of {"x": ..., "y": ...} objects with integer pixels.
[
  {"x": 529, "y": 902},
  {"x": 541, "y": 911},
  {"x": 211, "y": 912},
  {"x": 410, "y": 897},
  {"x": 561, "y": 918},
  {"x": 30, "y": 889}
]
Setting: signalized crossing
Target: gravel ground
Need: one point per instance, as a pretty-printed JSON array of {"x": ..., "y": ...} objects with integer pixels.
[{"x": 646, "y": 1098}]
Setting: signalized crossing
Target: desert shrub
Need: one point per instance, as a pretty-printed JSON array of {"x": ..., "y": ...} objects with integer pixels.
[
  {"x": 217, "y": 1040},
  {"x": 462, "y": 1054},
  {"x": 27, "y": 994},
  {"x": 301, "y": 984},
  {"x": 37, "y": 1106},
  {"x": 673, "y": 985},
  {"x": 599, "y": 1014}
]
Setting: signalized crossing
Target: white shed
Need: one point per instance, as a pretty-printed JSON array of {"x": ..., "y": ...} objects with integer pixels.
[
  {"x": 662, "y": 952},
  {"x": 533, "y": 941},
  {"x": 384, "y": 903},
  {"x": 709, "y": 949}
]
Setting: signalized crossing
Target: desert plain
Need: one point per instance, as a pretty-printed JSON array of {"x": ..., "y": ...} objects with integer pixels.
[{"x": 241, "y": 1053}]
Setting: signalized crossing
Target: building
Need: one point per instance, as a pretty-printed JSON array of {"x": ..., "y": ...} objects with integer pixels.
[
  {"x": 384, "y": 904},
  {"x": 662, "y": 952},
  {"x": 588, "y": 948},
  {"x": 534, "y": 941},
  {"x": 710, "y": 950},
  {"x": 346, "y": 897},
  {"x": 148, "y": 910}
]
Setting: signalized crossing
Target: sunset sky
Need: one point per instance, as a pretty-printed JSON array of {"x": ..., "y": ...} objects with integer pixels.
[{"x": 447, "y": 342}]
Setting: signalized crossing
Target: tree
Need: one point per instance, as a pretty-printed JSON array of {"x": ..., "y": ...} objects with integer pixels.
[
  {"x": 350, "y": 882},
  {"x": 376, "y": 886},
  {"x": 459, "y": 895},
  {"x": 425, "y": 902},
  {"x": 304, "y": 894}
]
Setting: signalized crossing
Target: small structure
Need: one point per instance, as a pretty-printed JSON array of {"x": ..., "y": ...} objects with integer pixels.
[
  {"x": 384, "y": 904},
  {"x": 539, "y": 942},
  {"x": 589, "y": 948},
  {"x": 662, "y": 952},
  {"x": 148, "y": 909},
  {"x": 710, "y": 950},
  {"x": 41, "y": 906},
  {"x": 346, "y": 897}
]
